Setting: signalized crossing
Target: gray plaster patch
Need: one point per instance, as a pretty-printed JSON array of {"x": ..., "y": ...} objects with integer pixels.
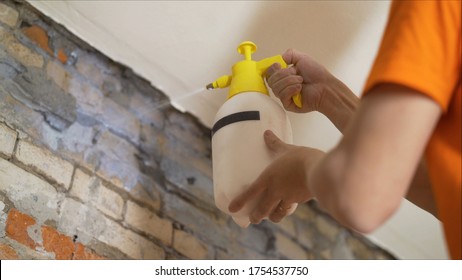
[
  {"x": 37, "y": 90},
  {"x": 80, "y": 220},
  {"x": 35, "y": 233},
  {"x": 3, "y": 217}
]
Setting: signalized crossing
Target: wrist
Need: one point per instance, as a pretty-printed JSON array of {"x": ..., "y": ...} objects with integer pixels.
[{"x": 338, "y": 103}]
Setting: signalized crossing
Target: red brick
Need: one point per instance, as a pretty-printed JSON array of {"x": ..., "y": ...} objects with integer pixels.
[
  {"x": 62, "y": 56},
  {"x": 7, "y": 252},
  {"x": 39, "y": 36},
  {"x": 83, "y": 253},
  {"x": 16, "y": 227},
  {"x": 58, "y": 243},
  {"x": 53, "y": 241}
]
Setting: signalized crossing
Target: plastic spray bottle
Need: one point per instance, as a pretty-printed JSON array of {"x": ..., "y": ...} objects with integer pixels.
[{"x": 239, "y": 153}]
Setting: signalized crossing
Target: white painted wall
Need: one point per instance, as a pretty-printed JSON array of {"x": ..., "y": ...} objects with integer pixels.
[{"x": 182, "y": 45}]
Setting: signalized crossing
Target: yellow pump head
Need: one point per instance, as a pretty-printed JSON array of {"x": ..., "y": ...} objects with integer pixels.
[{"x": 247, "y": 75}]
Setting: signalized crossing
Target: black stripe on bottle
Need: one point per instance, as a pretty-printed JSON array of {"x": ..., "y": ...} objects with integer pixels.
[{"x": 236, "y": 117}]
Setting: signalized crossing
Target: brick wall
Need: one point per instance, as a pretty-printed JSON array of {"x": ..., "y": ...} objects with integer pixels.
[{"x": 95, "y": 163}]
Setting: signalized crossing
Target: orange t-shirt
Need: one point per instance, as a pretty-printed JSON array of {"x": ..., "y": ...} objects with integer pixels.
[{"x": 421, "y": 49}]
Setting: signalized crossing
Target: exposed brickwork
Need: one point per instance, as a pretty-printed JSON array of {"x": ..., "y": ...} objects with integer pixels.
[
  {"x": 148, "y": 222},
  {"x": 100, "y": 228},
  {"x": 61, "y": 245},
  {"x": 39, "y": 36},
  {"x": 29, "y": 193},
  {"x": 91, "y": 191},
  {"x": 16, "y": 228},
  {"x": 45, "y": 163},
  {"x": 8, "y": 15},
  {"x": 190, "y": 246},
  {"x": 96, "y": 164},
  {"x": 83, "y": 253},
  {"x": 327, "y": 227},
  {"x": 22, "y": 53},
  {"x": 289, "y": 248},
  {"x": 7, "y": 140},
  {"x": 7, "y": 252},
  {"x": 288, "y": 225},
  {"x": 58, "y": 74}
]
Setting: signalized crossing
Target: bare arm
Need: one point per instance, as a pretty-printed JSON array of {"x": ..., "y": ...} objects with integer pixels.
[
  {"x": 326, "y": 94},
  {"x": 339, "y": 105},
  {"x": 362, "y": 181}
]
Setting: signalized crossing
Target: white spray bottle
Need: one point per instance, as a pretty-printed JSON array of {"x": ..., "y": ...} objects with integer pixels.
[{"x": 239, "y": 153}]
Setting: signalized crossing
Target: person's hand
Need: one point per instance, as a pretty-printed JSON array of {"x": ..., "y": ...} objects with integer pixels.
[
  {"x": 320, "y": 90},
  {"x": 281, "y": 184},
  {"x": 305, "y": 76}
]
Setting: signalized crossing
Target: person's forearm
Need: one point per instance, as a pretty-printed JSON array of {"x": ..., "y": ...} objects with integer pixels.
[
  {"x": 338, "y": 104},
  {"x": 328, "y": 189},
  {"x": 363, "y": 180},
  {"x": 347, "y": 198}
]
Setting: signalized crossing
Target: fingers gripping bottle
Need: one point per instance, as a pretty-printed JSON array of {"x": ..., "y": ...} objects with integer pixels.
[{"x": 239, "y": 153}]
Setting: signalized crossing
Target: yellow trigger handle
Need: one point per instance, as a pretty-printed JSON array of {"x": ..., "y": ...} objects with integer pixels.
[
  {"x": 297, "y": 99},
  {"x": 267, "y": 62}
]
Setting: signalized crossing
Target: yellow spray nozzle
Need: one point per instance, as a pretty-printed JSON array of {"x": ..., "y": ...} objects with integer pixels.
[
  {"x": 221, "y": 82},
  {"x": 248, "y": 74}
]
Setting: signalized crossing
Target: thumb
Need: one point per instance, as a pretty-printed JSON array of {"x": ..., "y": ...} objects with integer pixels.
[
  {"x": 292, "y": 56},
  {"x": 273, "y": 142}
]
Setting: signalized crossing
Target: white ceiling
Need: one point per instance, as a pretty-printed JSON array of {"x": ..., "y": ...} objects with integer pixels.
[{"x": 180, "y": 46}]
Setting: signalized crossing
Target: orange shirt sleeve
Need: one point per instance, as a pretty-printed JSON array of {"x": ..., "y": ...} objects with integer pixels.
[{"x": 420, "y": 49}]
